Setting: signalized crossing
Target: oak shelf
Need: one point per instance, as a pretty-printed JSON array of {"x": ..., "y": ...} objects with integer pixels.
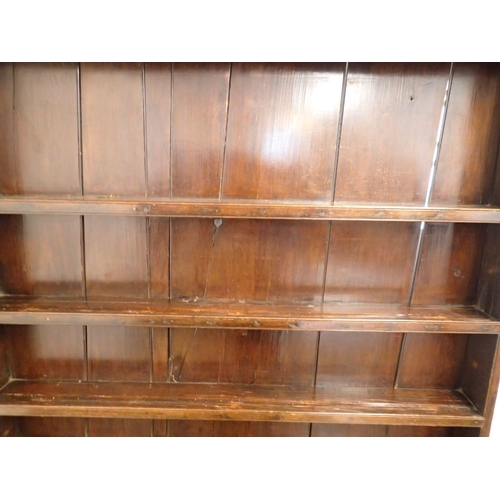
[
  {"x": 245, "y": 209},
  {"x": 249, "y": 315},
  {"x": 238, "y": 402}
]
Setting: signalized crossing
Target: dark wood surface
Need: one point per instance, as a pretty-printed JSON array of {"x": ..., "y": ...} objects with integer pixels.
[
  {"x": 255, "y": 316},
  {"x": 238, "y": 402},
  {"x": 244, "y": 209}
]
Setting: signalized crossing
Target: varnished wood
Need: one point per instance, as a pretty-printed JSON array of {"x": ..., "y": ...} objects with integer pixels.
[
  {"x": 265, "y": 269},
  {"x": 243, "y": 356},
  {"x": 391, "y": 120},
  {"x": 200, "y": 104},
  {"x": 31, "y": 259},
  {"x": 119, "y": 427},
  {"x": 360, "y": 254},
  {"x": 432, "y": 361},
  {"x": 244, "y": 209},
  {"x": 470, "y": 142},
  {"x": 8, "y": 177},
  {"x": 51, "y": 427},
  {"x": 254, "y": 316},
  {"x": 113, "y": 129},
  {"x": 414, "y": 431},
  {"x": 238, "y": 402},
  {"x": 283, "y": 121}
]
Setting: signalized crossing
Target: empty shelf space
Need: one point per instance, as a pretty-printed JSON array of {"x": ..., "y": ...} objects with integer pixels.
[
  {"x": 238, "y": 402},
  {"x": 248, "y": 315},
  {"x": 244, "y": 209}
]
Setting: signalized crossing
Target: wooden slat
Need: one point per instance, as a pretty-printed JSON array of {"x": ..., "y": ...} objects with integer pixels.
[
  {"x": 119, "y": 427},
  {"x": 199, "y": 118},
  {"x": 255, "y": 316},
  {"x": 238, "y": 402},
  {"x": 282, "y": 131},
  {"x": 391, "y": 119},
  {"x": 200, "y": 208},
  {"x": 51, "y": 427}
]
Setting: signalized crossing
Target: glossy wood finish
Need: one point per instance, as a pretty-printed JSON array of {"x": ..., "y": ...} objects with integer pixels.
[
  {"x": 116, "y": 257},
  {"x": 238, "y": 402},
  {"x": 254, "y": 316},
  {"x": 432, "y": 361},
  {"x": 263, "y": 271},
  {"x": 113, "y": 129},
  {"x": 244, "y": 209},
  {"x": 470, "y": 143},
  {"x": 31, "y": 260},
  {"x": 283, "y": 121},
  {"x": 158, "y": 97},
  {"x": 389, "y": 131},
  {"x": 39, "y": 117},
  {"x": 46, "y": 352},
  {"x": 358, "y": 359},
  {"x": 360, "y": 254},
  {"x": 243, "y": 356},
  {"x": 199, "y": 123}
]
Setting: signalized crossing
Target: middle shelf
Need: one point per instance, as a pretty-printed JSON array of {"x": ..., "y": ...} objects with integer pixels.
[{"x": 248, "y": 315}]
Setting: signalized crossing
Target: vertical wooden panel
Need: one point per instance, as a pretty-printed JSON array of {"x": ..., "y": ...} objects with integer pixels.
[
  {"x": 46, "y": 351},
  {"x": 282, "y": 131},
  {"x": 266, "y": 269},
  {"x": 8, "y": 181},
  {"x": 4, "y": 356},
  {"x": 418, "y": 431},
  {"x": 159, "y": 250},
  {"x": 160, "y": 428},
  {"x": 450, "y": 264},
  {"x": 119, "y": 353},
  {"x": 200, "y": 100},
  {"x": 160, "y": 361},
  {"x": 390, "y": 125},
  {"x": 470, "y": 141},
  {"x": 358, "y": 359},
  {"x": 202, "y": 428},
  {"x": 489, "y": 284},
  {"x": 112, "y": 129},
  {"x": 116, "y": 257},
  {"x": 46, "y": 128},
  {"x": 341, "y": 430},
  {"x": 243, "y": 356},
  {"x": 360, "y": 255},
  {"x": 40, "y": 255},
  {"x": 158, "y": 80},
  {"x": 51, "y": 427},
  {"x": 430, "y": 361},
  {"x": 119, "y": 427},
  {"x": 9, "y": 427}
]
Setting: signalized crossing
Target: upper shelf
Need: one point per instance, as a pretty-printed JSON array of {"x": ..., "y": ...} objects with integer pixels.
[
  {"x": 244, "y": 209},
  {"x": 247, "y": 315}
]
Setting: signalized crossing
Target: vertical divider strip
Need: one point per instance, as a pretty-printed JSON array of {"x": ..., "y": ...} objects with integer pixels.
[
  {"x": 430, "y": 187},
  {"x": 169, "y": 342},
  {"x": 225, "y": 135}
]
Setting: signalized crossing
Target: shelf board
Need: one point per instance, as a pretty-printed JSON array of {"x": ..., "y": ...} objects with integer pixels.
[
  {"x": 242, "y": 209},
  {"x": 248, "y": 315},
  {"x": 238, "y": 402}
]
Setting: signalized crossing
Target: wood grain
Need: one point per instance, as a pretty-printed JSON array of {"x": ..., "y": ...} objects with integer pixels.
[
  {"x": 158, "y": 93},
  {"x": 46, "y": 352},
  {"x": 200, "y": 104},
  {"x": 119, "y": 427},
  {"x": 343, "y": 430},
  {"x": 116, "y": 257},
  {"x": 470, "y": 142},
  {"x": 450, "y": 264},
  {"x": 160, "y": 354},
  {"x": 51, "y": 427},
  {"x": 8, "y": 176},
  {"x": 239, "y": 402},
  {"x": 488, "y": 299},
  {"x": 358, "y": 359},
  {"x": 282, "y": 131},
  {"x": 264, "y": 270},
  {"x": 359, "y": 257},
  {"x": 31, "y": 259},
  {"x": 113, "y": 129},
  {"x": 119, "y": 354},
  {"x": 389, "y": 131},
  {"x": 418, "y": 431},
  {"x": 243, "y": 356},
  {"x": 159, "y": 257},
  {"x": 432, "y": 361}
]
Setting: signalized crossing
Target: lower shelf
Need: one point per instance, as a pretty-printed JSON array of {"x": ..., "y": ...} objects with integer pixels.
[{"x": 238, "y": 402}]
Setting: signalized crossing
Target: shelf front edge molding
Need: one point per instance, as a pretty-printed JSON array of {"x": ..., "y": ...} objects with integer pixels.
[
  {"x": 256, "y": 316},
  {"x": 243, "y": 209},
  {"x": 238, "y": 402}
]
